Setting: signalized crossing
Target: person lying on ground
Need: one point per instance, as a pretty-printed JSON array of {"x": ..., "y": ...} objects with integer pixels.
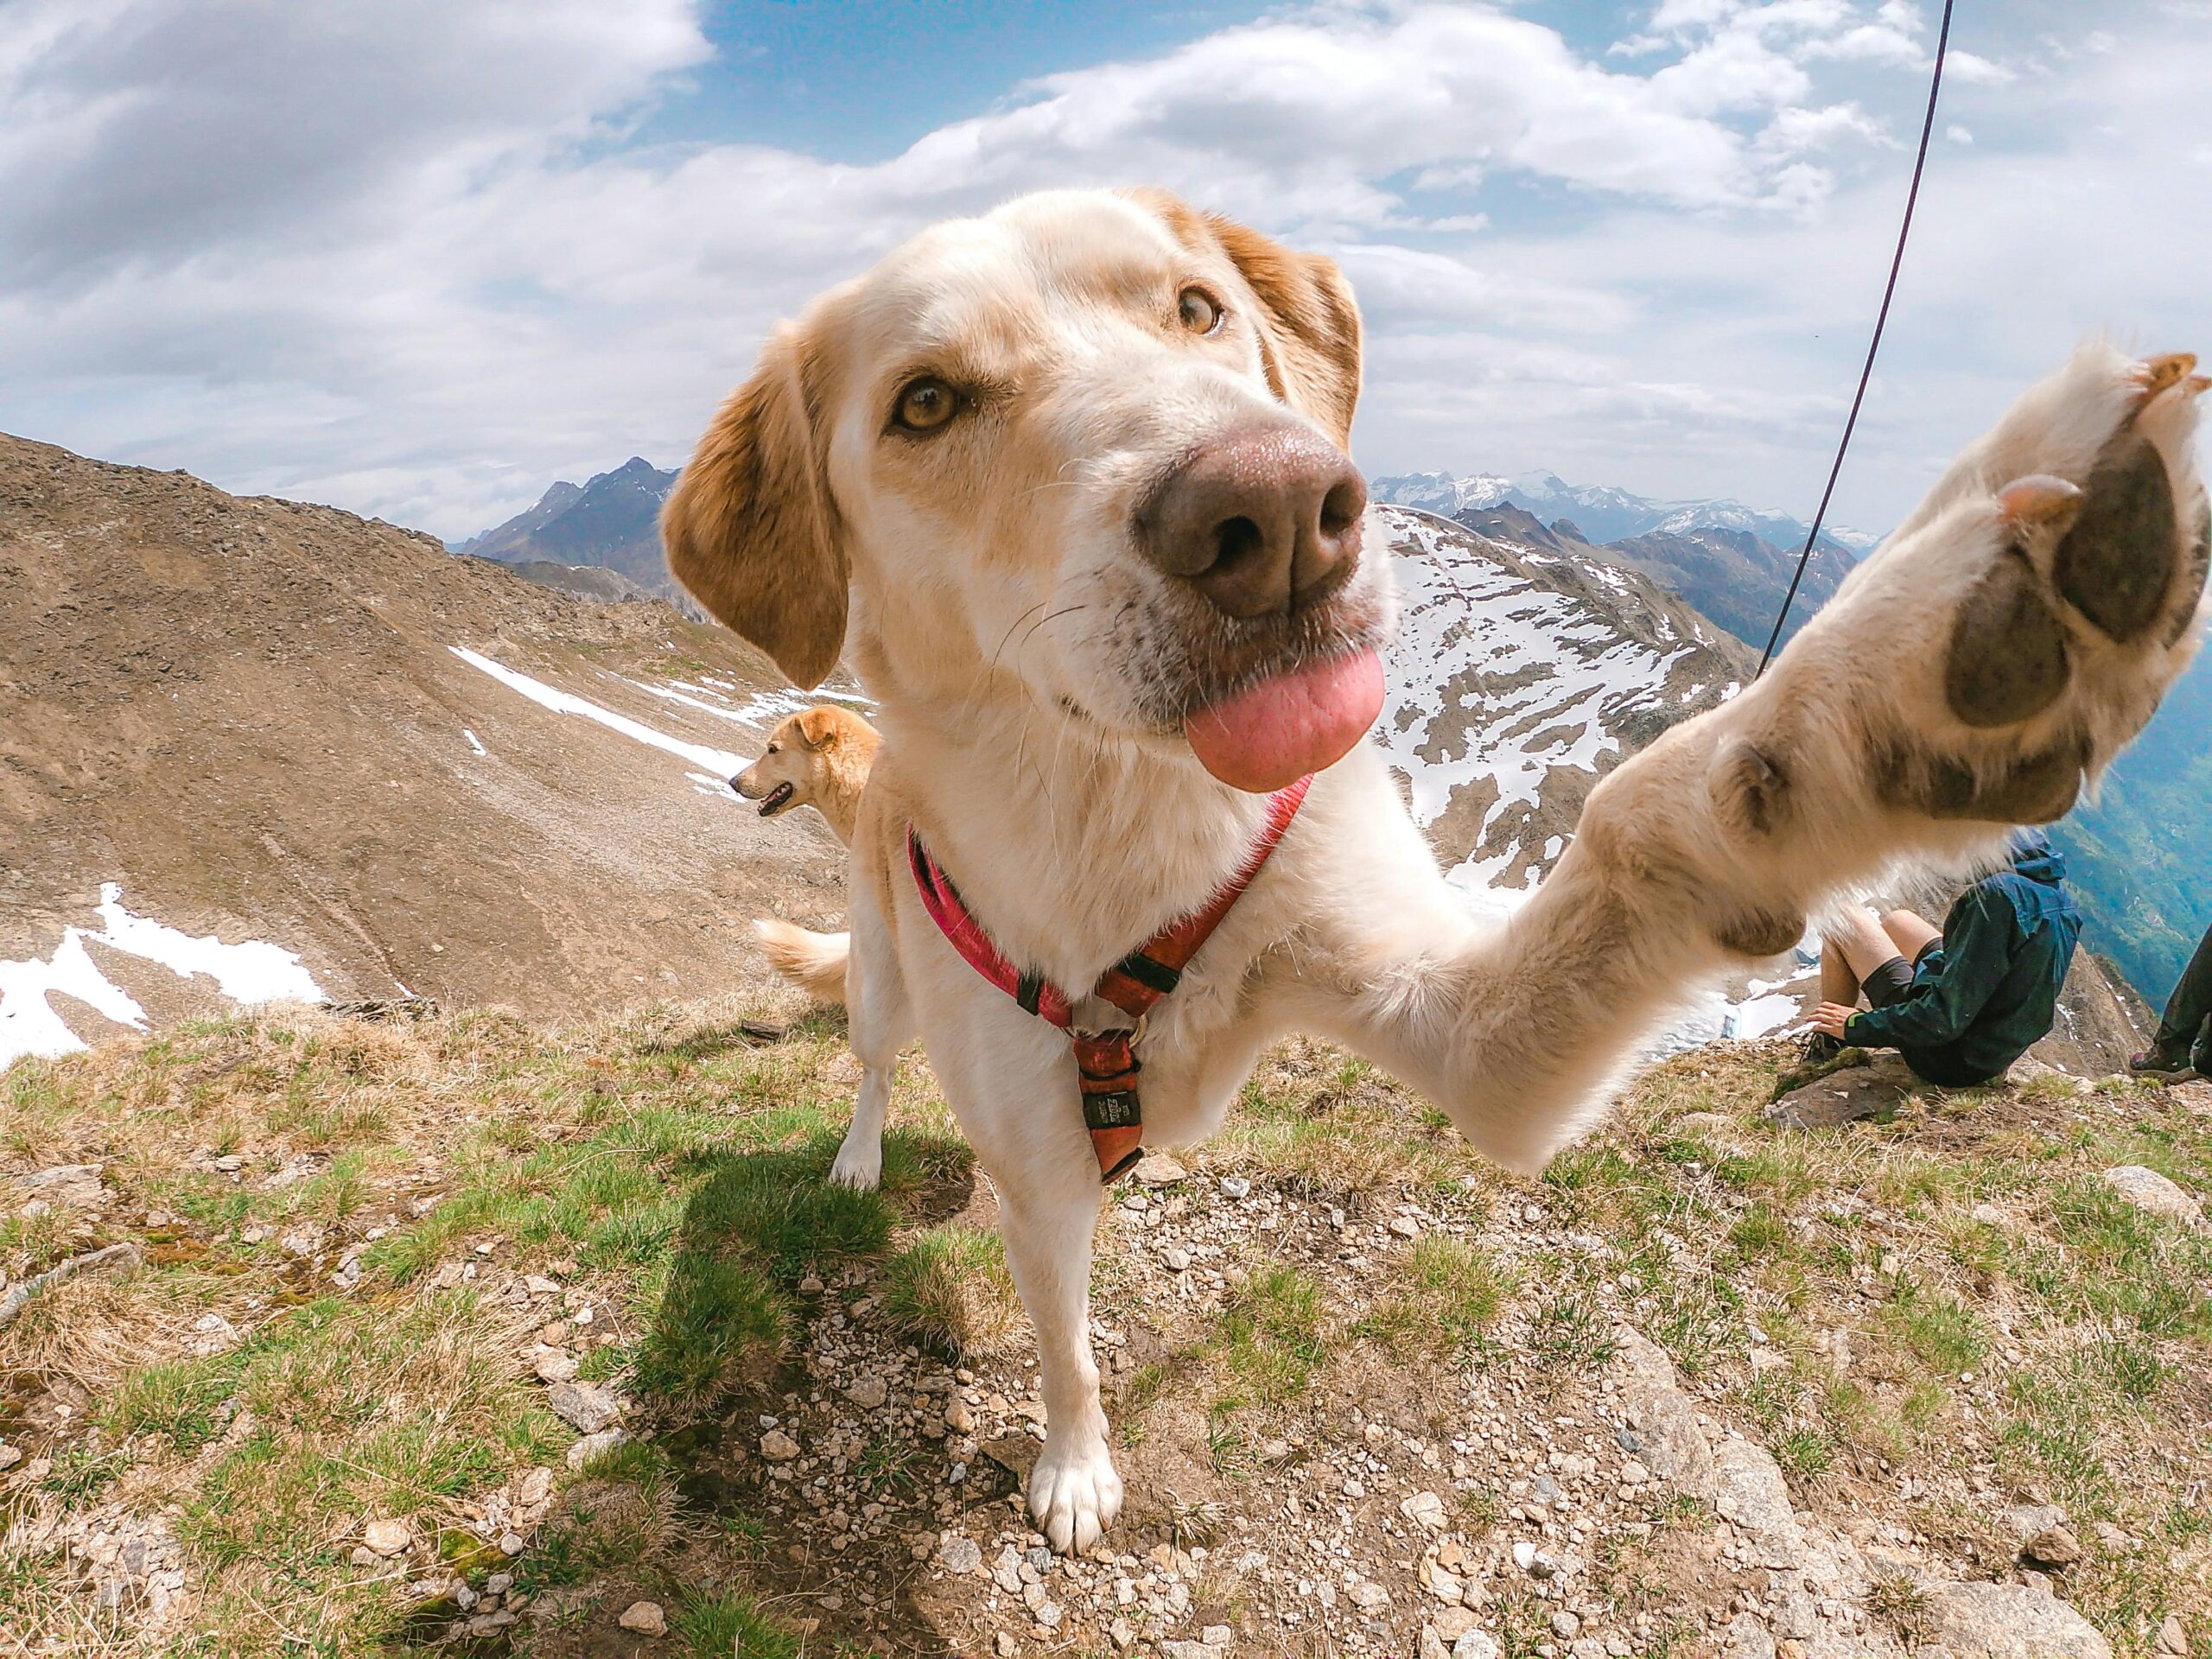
[
  {"x": 1963, "y": 1004},
  {"x": 2183, "y": 1047}
]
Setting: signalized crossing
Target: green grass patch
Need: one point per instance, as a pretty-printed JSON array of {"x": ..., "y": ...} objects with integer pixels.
[
  {"x": 1271, "y": 1336},
  {"x": 1941, "y": 1331},
  {"x": 949, "y": 1288},
  {"x": 752, "y": 1229},
  {"x": 1451, "y": 1295},
  {"x": 733, "y": 1624}
]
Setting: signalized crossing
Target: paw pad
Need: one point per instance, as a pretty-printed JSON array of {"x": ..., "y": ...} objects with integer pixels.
[
  {"x": 2116, "y": 565},
  {"x": 2007, "y": 659},
  {"x": 2029, "y": 789}
]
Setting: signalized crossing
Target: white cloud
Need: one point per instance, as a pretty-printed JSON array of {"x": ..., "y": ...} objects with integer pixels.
[
  {"x": 1976, "y": 70},
  {"x": 1793, "y": 129},
  {"x": 148, "y": 132},
  {"x": 403, "y": 257}
]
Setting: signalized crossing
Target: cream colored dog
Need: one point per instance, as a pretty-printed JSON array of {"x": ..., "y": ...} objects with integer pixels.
[
  {"x": 818, "y": 757},
  {"x": 1068, "y": 483}
]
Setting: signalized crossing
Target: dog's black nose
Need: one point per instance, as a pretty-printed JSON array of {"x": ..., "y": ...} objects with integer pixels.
[{"x": 1263, "y": 519}]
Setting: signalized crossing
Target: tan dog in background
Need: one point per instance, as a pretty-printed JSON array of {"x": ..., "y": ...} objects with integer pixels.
[
  {"x": 1069, "y": 484},
  {"x": 819, "y": 757}
]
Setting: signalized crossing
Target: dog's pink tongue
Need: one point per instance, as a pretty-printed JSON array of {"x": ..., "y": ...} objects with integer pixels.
[{"x": 1284, "y": 728}]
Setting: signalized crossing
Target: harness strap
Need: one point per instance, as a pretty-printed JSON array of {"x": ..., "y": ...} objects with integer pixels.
[{"x": 1106, "y": 1062}]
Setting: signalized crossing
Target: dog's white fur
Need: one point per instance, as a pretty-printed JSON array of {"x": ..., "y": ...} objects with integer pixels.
[{"x": 1030, "y": 669}]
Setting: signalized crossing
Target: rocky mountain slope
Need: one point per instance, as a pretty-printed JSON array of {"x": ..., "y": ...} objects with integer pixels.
[
  {"x": 1529, "y": 664},
  {"x": 1524, "y": 670},
  {"x": 249, "y": 748},
  {"x": 613, "y": 522}
]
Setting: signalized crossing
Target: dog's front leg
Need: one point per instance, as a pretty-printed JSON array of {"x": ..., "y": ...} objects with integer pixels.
[
  {"x": 1970, "y": 676},
  {"x": 1518, "y": 1031},
  {"x": 1018, "y": 1102}
]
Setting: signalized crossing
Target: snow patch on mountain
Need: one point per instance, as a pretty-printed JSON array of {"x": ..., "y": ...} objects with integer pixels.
[
  {"x": 568, "y": 703},
  {"x": 1516, "y": 680},
  {"x": 246, "y": 974},
  {"x": 1544, "y": 671}
]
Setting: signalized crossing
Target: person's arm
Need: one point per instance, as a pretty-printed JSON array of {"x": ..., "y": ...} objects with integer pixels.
[{"x": 1977, "y": 949}]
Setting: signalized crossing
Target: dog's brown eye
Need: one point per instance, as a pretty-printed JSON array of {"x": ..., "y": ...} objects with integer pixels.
[
  {"x": 771, "y": 748},
  {"x": 925, "y": 404},
  {"x": 1197, "y": 310}
]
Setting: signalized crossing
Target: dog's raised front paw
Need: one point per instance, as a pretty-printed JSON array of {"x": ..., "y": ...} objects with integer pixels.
[
  {"x": 1074, "y": 1493},
  {"x": 2021, "y": 627}
]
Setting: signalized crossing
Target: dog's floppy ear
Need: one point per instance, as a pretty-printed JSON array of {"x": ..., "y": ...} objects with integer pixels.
[
  {"x": 1310, "y": 333},
  {"x": 819, "y": 726},
  {"x": 750, "y": 530},
  {"x": 1309, "y": 322}
]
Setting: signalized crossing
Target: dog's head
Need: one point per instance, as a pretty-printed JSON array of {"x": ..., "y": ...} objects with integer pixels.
[
  {"x": 1090, "y": 451},
  {"x": 790, "y": 769}
]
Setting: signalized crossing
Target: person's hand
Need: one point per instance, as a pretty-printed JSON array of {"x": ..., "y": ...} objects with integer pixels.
[{"x": 1829, "y": 1018}]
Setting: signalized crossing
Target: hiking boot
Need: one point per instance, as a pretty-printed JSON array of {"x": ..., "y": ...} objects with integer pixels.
[{"x": 2156, "y": 1063}]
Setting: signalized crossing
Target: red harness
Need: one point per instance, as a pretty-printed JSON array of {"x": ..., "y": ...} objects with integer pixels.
[{"x": 1106, "y": 1060}]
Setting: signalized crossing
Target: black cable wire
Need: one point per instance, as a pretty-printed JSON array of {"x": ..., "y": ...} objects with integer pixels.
[{"x": 1897, "y": 262}]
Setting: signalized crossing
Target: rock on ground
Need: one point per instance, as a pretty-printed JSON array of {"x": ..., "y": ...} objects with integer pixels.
[
  {"x": 2010, "y": 1621},
  {"x": 1670, "y": 1441},
  {"x": 1846, "y": 1096},
  {"x": 594, "y": 1445},
  {"x": 587, "y": 1408},
  {"x": 1748, "y": 1489},
  {"x": 2148, "y": 1190}
]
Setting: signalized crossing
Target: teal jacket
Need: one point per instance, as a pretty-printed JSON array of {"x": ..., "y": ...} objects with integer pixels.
[{"x": 1990, "y": 987}]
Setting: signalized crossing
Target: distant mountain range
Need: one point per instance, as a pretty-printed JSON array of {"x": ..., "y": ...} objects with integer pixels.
[
  {"x": 1601, "y": 512},
  {"x": 610, "y": 523},
  {"x": 2141, "y": 853},
  {"x": 1731, "y": 562}
]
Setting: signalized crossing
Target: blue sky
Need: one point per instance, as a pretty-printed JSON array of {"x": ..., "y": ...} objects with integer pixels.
[
  {"x": 418, "y": 257},
  {"x": 779, "y": 65}
]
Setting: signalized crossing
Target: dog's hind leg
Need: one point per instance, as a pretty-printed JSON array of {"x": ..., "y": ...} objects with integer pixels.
[{"x": 881, "y": 1023}]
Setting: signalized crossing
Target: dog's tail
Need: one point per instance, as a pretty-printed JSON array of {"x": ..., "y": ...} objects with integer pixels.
[{"x": 813, "y": 962}]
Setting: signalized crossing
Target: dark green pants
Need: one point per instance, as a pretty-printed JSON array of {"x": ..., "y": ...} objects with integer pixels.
[{"x": 2181, "y": 1034}]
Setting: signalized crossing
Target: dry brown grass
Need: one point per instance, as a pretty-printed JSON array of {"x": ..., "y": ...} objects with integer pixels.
[{"x": 2062, "y": 1354}]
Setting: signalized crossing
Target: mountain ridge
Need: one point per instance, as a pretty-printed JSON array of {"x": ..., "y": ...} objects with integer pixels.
[
  {"x": 612, "y": 521},
  {"x": 411, "y": 774},
  {"x": 1607, "y": 511}
]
